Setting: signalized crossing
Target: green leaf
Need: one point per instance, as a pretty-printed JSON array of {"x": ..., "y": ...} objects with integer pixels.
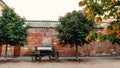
[
  {"x": 98, "y": 20},
  {"x": 106, "y": 17},
  {"x": 82, "y": 3}
]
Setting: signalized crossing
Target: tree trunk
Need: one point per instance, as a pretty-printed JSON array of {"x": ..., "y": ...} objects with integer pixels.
[
  {"x": 6, "y": 52},
  {"x": 76, "y": 52}
]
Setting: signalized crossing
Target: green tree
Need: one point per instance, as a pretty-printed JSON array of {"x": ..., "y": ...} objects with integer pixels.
[
  {"x": 12, "y": 29},
  {"x": 104, "y": 9},
  {"x": 73, "y": 29}
]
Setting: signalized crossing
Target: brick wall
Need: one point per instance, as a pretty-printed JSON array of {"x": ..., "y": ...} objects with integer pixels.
[{"x": 38, "y": 36}]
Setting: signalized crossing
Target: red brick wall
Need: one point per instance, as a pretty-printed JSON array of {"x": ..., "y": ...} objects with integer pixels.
[
  {"x": 36, "y": 36},
  {"x": 100, "y": 49}
]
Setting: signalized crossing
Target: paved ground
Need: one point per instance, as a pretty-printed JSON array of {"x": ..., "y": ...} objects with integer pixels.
[
  {"x": 64, "y": 62},
  {"x": 60, "y": 58}
]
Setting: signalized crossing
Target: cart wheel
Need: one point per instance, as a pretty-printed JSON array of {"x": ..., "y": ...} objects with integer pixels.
[
  {"x": 35, "y": 56},
  {"x": 32, "y": 56},
  {"x": 54, "y": 56}
]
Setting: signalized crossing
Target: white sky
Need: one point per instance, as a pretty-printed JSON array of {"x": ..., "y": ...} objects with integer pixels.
[{"x": 43, "y": 9}]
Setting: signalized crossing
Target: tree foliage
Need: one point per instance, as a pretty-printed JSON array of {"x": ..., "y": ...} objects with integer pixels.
[
  {"x": 112, "y": 33},
  {"x": 92, "y": 36},
  {"x": 104, "y": 9},
  {"x": 12, "y": 28},
  {"x": 73, "y": 28},
  {"x": 99, "y": 9}
]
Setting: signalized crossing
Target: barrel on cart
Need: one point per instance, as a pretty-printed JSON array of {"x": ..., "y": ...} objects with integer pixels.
[{"x": 44, "y": 50}]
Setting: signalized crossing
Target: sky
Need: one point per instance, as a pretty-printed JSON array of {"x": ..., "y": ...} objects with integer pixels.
[{"x": 43, "y": 9}]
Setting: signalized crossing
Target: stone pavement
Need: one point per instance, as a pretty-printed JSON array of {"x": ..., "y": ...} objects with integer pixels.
[
  {"x": 87, "y": 62},
  {"x": 28, "y": 58}
]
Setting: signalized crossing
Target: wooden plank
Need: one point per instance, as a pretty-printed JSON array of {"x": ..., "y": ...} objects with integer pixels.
[
  {"x": 16, "y": 50},
  {"x": 0, "y": 50},
  {"x": 44, "y": 48}
]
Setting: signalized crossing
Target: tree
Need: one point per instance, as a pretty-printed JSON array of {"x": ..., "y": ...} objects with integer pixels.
[
  {"x": 73, "y": 29},
  {"x": 12, "y": 29},
  {"x": 104, "y": 9}
]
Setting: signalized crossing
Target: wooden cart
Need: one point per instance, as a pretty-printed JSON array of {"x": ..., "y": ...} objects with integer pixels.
[{"x": 44, "y": 50}]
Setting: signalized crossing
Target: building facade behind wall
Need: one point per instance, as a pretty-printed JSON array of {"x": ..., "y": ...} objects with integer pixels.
[{"x": 2, "y": 5}]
